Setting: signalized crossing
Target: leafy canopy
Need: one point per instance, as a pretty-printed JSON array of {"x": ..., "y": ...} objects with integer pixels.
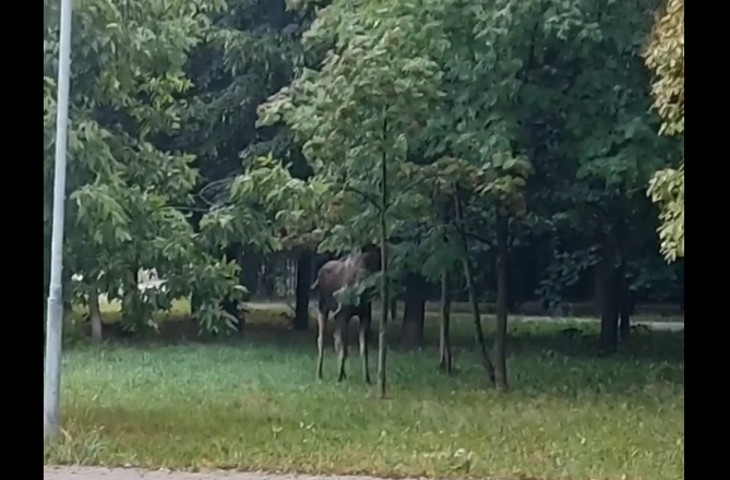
[
  {"x": 665, "y": 56},
  {"x": 127, "y": 195}
]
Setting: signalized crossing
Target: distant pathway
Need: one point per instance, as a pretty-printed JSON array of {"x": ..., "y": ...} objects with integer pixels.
[{"x": 659, "y": 326}]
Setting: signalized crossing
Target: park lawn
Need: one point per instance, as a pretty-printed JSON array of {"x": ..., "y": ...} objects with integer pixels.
[{"x": 253, "y": 403}]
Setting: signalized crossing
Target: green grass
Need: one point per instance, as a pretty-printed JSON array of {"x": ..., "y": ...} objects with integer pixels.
[{"x": 254, "y": 403}]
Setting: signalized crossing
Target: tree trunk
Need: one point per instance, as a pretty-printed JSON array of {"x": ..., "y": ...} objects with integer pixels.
[
  {"x": 681, "y": 300},
  {"x": 304, "y": 282},
  {"x": 267, "y": 283},
  {"x": 233, "y": 252},
  {"x": 609, "y": 316},
  {"x": 681, "y": 292},
  {"x": 250, "y": 269},
  {"x": 598, "y": 274},
  {"x": 195, "y": 304},
  {"x": 414, "y": 311},
  {"x": 382, "y": 348},
  {"x": 132, "y": 314},
  {"x": 384, "y": 300},
  {"x": 95, "y": 314},
  {"x": 478, "y": 332},
  {"x": 625, "y": 304},
  {"x": 231, "y": 308},
  {"x": 195, "y": 300},
  {"x": 609, "y": 301},
  {"x": 500, "y": 339},
  {"x": 446, "y": 360},
  {"x": 393, "y": 308}
]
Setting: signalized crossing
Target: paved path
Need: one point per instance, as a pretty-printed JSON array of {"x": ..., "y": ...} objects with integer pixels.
[
  {"x": 660, "y": 326},
  {"x": 99, "y": 473}
]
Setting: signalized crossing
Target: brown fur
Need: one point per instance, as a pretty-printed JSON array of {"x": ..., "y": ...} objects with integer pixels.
[{"x": 331, "y": 278}]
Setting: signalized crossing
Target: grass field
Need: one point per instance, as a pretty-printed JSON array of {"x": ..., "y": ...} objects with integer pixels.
[{"x": 253, "y": 403}]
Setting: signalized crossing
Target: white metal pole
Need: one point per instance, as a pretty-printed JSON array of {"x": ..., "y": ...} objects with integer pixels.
[{"x": 54, "y": 313}]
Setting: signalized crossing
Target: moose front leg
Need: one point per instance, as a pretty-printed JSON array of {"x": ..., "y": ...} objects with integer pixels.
[
  {"x": 321, "y": 324},
  {"x": 341, "y": 321}
]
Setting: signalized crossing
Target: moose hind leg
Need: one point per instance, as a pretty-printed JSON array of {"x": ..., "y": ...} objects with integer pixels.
[
  {"x": 321, "y": 324},
  {"x": 364, "y": 322},
  {"x": 341, "y": 321},
  {"x": 364, "y": 330}
]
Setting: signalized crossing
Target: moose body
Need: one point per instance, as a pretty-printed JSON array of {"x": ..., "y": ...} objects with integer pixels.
[{"x": 332, "y": 278}]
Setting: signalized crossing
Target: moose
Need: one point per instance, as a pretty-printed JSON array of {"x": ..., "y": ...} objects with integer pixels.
[{"x": 332, "y": 279}]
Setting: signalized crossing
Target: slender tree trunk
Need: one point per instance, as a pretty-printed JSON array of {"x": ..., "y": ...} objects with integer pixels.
[
  {"x": 609, "y": 300},
  {"x": 131, "y": 303},
  {"x": 393, "y": 308},
  {"x": 598, "y": 279},
  {"x": 500, "y": 339},
  {"x": 446, "y": 360},
  {"x": 250, "y": 269},
  {"x": 384, "y": 300},
  {"x": 304, "y": 281},
  {"x": 621, "y": 287},
  {"x": 231, "y": 308},
  {"x": 195, "y": 304},
  {"x": 95, "y": 314},
  {"x": 478, "y": 331},
  {"x": 680, "y": 273},
  {"x": 414, "y": 311},
  {"x": 681, "y": 300},
  {"x": 266, "y": 279},
  {"x": 195, "y": 301},
  {"x": 609, "y": 316},
  {"x": 382, "y": 347},
  {"x": 233, "y": 252},
  {"x": 625, "y": 307}
]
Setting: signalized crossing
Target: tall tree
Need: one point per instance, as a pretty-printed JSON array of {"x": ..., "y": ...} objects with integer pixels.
[
  {"x": 249, "y": 51},
  {"x": 665, "y": 56},
  {"x": 585, "y": 125},
  {"x": 355, "y": 113},
  {"x": 127, "y": 193}
]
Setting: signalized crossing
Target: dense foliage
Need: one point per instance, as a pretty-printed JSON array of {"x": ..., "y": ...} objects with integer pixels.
[
  {"x": 129, "y": 195},
  {"x": 205, "y": 135},
  {"x": 665, "y": 56}
]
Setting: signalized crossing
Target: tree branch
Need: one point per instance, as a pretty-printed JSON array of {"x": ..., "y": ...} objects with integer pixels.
[
  {"x": 414, "y": 184},
  {"x": 476, "y": 236},
  {"x": 365, "y": 195}
]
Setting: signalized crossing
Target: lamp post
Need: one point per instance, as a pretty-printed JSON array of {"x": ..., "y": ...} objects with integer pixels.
[{"x": 54, "y": 313}]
